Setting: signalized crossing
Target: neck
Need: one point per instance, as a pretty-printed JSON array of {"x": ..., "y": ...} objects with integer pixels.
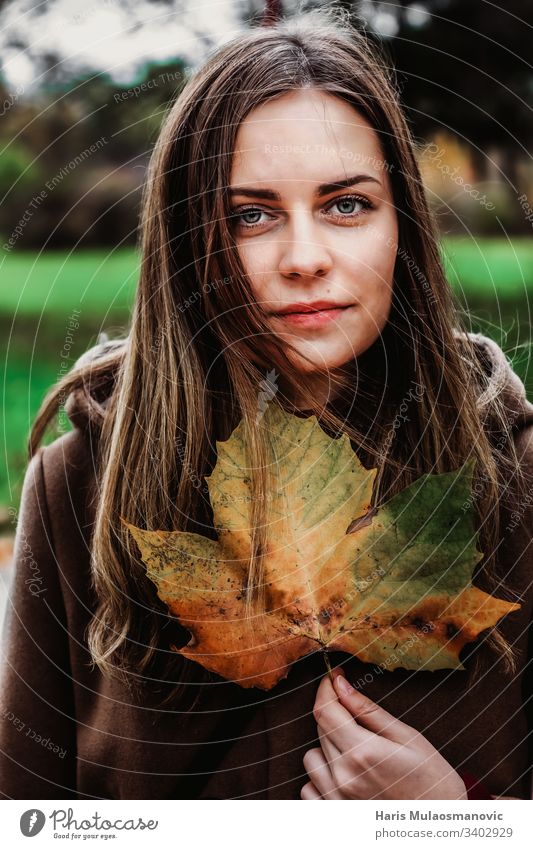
[{"x": 323, "y": 387}]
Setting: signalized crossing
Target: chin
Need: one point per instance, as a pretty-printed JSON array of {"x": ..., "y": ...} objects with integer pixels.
[{"x": 327, "y": 362}]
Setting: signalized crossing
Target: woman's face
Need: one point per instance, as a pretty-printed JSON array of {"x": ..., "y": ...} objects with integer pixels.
[{"x": 314, "y": 220}]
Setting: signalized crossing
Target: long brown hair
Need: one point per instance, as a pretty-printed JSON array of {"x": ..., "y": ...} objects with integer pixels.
[{"x": 184, "y": 377}]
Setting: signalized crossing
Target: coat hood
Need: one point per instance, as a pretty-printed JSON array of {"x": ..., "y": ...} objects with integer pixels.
[
  {"x": 86, "y": 406},
  {"x": 502, "y": 381}
]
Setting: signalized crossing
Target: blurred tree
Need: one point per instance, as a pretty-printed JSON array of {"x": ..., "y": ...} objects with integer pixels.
[
  {"x": 86, "y": 148},
  {"x": 466, "y": 66}
]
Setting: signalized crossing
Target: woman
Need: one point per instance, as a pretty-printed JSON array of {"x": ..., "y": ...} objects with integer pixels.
[{"x": 284, "y": 179}]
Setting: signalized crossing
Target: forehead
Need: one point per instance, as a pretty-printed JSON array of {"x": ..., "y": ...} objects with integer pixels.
[{"x": 305, "y": 134}]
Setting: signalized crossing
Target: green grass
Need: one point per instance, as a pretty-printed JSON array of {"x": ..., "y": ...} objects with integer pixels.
[
  {"x": 494, "y": 268},
  {"x": 492, "y": 277},
  {"x": 95, "y": 282},
  {"x": 21, "y": 399}
]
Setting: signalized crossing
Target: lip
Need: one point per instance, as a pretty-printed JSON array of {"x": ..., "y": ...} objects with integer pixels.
[
  {"x": 315, "y": 318},
  {"x": 312, "y": 306}
]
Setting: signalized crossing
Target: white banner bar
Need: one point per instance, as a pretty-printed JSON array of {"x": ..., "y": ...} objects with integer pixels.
[{"x": 220, "y": 823}]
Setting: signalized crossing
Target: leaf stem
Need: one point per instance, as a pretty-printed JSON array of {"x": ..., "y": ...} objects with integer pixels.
[{"x": 328, "y": 665}]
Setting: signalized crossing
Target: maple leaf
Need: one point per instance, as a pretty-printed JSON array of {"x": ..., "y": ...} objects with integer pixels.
[{"x": 391, "y": 585}]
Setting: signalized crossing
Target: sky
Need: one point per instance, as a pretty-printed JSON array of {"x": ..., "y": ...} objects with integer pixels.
[{"x": 116, "y": 36}]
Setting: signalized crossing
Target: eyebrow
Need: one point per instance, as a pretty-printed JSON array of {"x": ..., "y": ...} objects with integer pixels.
[{"x": 320, "y": 191}]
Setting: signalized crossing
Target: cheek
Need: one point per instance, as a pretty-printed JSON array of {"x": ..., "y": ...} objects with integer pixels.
[
  {"x": 377, "y": 301},
  {"x": 380, "y": 250},
  {"x": 371, "y": 270},
  {"x": 256, "y": 259},
  {"x": 372, "y": 273},
  {"x": 257, "y": 263}
]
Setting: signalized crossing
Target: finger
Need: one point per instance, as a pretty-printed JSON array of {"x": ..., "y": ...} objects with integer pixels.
[
  {"x": 320, "y": 774},
  {"x": 331, "y": 752},
  {"x": 369, "y": 714},
  {"x": 336, "y": 721},
  {"x": 309, "y": 791}
]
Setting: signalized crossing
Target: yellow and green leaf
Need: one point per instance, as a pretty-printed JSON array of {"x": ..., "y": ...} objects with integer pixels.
[{"x": 393, "y": 582}]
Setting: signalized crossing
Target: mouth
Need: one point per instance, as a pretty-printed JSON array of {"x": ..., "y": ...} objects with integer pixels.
[{"x": 313, "y": 318}]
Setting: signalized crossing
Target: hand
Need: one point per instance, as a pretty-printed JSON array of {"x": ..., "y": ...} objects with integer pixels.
[{"x": 366, "y": 753}]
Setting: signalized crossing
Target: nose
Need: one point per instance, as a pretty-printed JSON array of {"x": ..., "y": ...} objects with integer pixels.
[{"x": 304, "y": 254}]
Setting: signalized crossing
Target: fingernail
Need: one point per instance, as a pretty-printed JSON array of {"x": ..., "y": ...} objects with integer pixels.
[{"x": 343, "y": 685}]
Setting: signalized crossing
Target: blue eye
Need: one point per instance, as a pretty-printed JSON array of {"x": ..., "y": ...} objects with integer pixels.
[
  {"x": 350, "y": 201},
  {"x": 239, "y": 218},
  {"x": 251, "y": 212}
]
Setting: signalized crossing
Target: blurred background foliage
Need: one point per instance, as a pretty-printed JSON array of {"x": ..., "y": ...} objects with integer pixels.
[{"x": 76, "y": 135}]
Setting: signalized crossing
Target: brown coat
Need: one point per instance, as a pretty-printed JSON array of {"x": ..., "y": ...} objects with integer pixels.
[{"x": 66, "y": 732}]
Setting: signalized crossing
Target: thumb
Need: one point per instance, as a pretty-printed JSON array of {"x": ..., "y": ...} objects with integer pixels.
[{"x": 368, "y": 713}]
